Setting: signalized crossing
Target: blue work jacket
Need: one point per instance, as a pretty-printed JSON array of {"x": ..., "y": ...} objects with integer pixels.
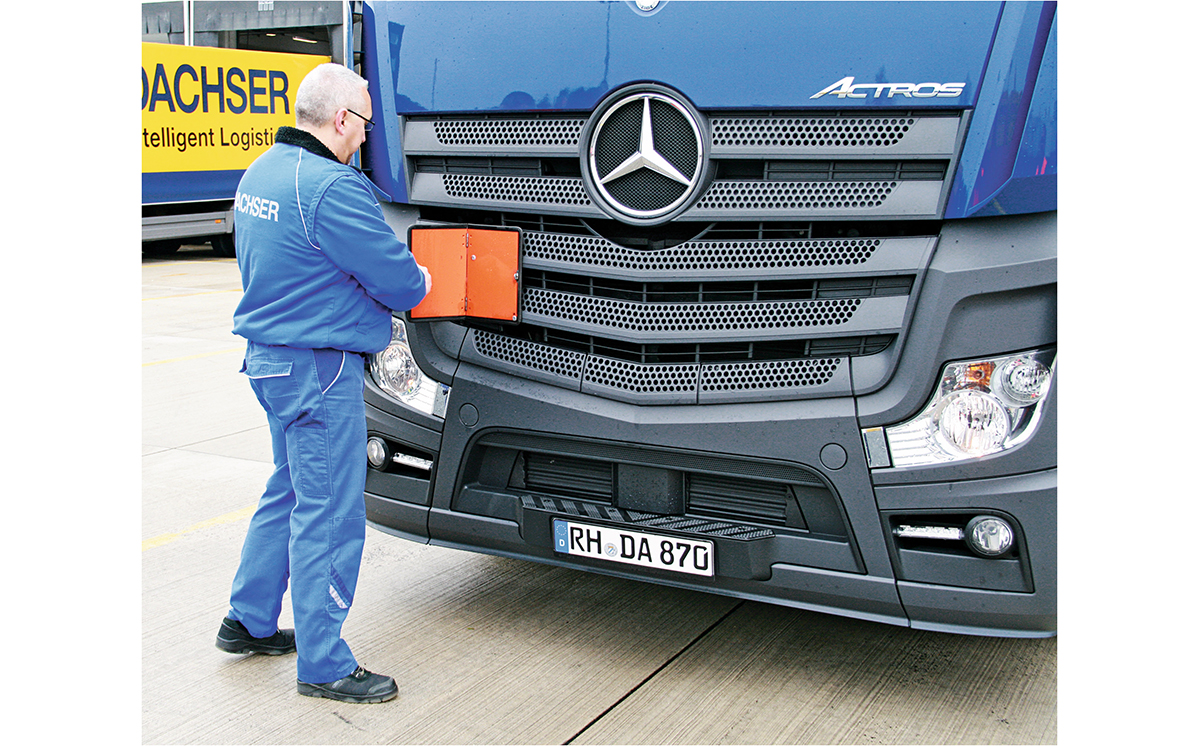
[{"x": 320, "y": 267}]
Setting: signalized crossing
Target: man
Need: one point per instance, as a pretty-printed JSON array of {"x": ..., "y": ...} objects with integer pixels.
[{"x": 321, "y": 273}]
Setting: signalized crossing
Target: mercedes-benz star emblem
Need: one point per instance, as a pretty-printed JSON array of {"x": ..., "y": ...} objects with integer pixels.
[{"x": 645, "y": 156}]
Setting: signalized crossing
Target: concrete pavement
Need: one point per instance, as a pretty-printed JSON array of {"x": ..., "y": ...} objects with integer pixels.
[{"x": 494, "y": 650}]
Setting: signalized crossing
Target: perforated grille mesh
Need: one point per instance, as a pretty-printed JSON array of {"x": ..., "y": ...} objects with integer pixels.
[
  {"x": 641, "y": 379},
  {"x": 689, "y": 317},
  {"x": 700, "y": 255},
  {"x": 651, "y": 379},
  {"x": 723, "y": 195},
  {"x": 731, "y": 131},
  {"x": 511, "y": 132},
  {"x": 776, "y": 374},
  {"x": 548, "y": 359},
  {"x": 517, "y": 189},
  {"x": 795, "y": 132},
  {"x": 795, "y": 195}
]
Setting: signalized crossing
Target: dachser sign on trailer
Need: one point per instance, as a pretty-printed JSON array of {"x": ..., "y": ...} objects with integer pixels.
[{"x": 212, "y": 109}]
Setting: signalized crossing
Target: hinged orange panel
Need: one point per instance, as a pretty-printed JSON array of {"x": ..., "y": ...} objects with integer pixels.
[
  {"x": 442, "y": 251},
  {"x": 476, "y": 272}
]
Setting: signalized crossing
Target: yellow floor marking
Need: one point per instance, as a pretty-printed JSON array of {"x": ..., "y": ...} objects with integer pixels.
[
  {"x": 177, "y": 262},
  {"x": 192, "y": 295},
  {"x": 194, "y": 357},
  {"x": 233, "y": 517}
]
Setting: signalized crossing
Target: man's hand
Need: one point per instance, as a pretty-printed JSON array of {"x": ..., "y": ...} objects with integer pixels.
[{"x": 428, "y": 278}]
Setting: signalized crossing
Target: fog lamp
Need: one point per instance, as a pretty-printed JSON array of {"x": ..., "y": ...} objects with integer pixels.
[
  {"x": 989, "y": 536},
  {"x": 377, "y": 452}
]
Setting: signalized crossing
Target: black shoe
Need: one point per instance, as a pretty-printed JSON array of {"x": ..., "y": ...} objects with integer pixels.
[
  {"x": 362, "y": 687},
  {"x": 235, "y": 638}
]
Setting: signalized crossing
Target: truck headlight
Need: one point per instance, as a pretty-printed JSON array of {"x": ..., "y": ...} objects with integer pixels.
[
  {"x": 395, "y": 371},
  {"x": 980, "y": 407}
]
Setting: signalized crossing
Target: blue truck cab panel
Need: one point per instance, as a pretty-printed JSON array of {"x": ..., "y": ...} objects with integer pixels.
[{"x": 788, "y": 298}]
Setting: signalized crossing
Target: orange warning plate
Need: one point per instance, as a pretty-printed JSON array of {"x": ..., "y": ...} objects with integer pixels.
[{"x": 476, "y": 272}]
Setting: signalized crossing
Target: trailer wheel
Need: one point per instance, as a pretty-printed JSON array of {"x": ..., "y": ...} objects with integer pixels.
[{"x": 223, "y": 245}]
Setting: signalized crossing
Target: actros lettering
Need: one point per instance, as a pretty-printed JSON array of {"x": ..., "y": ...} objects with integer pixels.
[{"x": 847, "y": 88}]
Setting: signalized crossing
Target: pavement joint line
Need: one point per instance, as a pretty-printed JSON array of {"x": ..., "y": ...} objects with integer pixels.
[
  {"x": 232, "y": 517},
  {"x": 656, "y": 672},
  {"x": 193, "y": 357}
]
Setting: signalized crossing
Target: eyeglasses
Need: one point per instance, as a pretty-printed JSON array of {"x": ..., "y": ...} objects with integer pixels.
[{"x": 369, "y": 124}]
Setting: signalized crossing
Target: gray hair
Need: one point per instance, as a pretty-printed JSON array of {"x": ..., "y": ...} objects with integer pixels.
[{"x": 327, "y": 88}]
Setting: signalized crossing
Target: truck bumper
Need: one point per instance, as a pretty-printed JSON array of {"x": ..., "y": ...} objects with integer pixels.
[{"x": 820, "y": 537}]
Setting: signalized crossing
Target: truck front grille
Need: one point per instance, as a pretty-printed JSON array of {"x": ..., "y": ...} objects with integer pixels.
[{"x": 803, "y": 253}]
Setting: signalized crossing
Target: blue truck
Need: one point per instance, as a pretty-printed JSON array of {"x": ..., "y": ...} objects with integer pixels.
[{"x": 788, "y": 296}]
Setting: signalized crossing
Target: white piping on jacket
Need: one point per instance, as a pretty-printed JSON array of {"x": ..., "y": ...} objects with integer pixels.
[
  {"x": 299, "y": 209},
  {"x": 339, "y": 374}
]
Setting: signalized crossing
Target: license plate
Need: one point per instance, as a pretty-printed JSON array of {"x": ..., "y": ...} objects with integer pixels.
[{"x": 634, "y": 547}]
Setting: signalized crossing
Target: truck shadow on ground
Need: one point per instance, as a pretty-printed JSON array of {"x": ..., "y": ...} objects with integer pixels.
[
  {"x": 765, "y": 672},
  {"x": 186, "y": 252}
]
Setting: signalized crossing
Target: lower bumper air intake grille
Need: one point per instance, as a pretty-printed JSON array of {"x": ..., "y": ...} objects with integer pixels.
[
  {"x": 633, "y": 518},
  {"x": 756, "y": 512},
  {"x": 739, "y": 499}
]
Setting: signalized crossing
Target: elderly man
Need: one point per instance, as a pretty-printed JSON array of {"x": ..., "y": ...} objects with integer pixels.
[{"x": 322, "y": 273}]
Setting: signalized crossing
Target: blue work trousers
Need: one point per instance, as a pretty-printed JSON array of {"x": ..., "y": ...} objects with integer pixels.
[{"x": 311, "y": 521}]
